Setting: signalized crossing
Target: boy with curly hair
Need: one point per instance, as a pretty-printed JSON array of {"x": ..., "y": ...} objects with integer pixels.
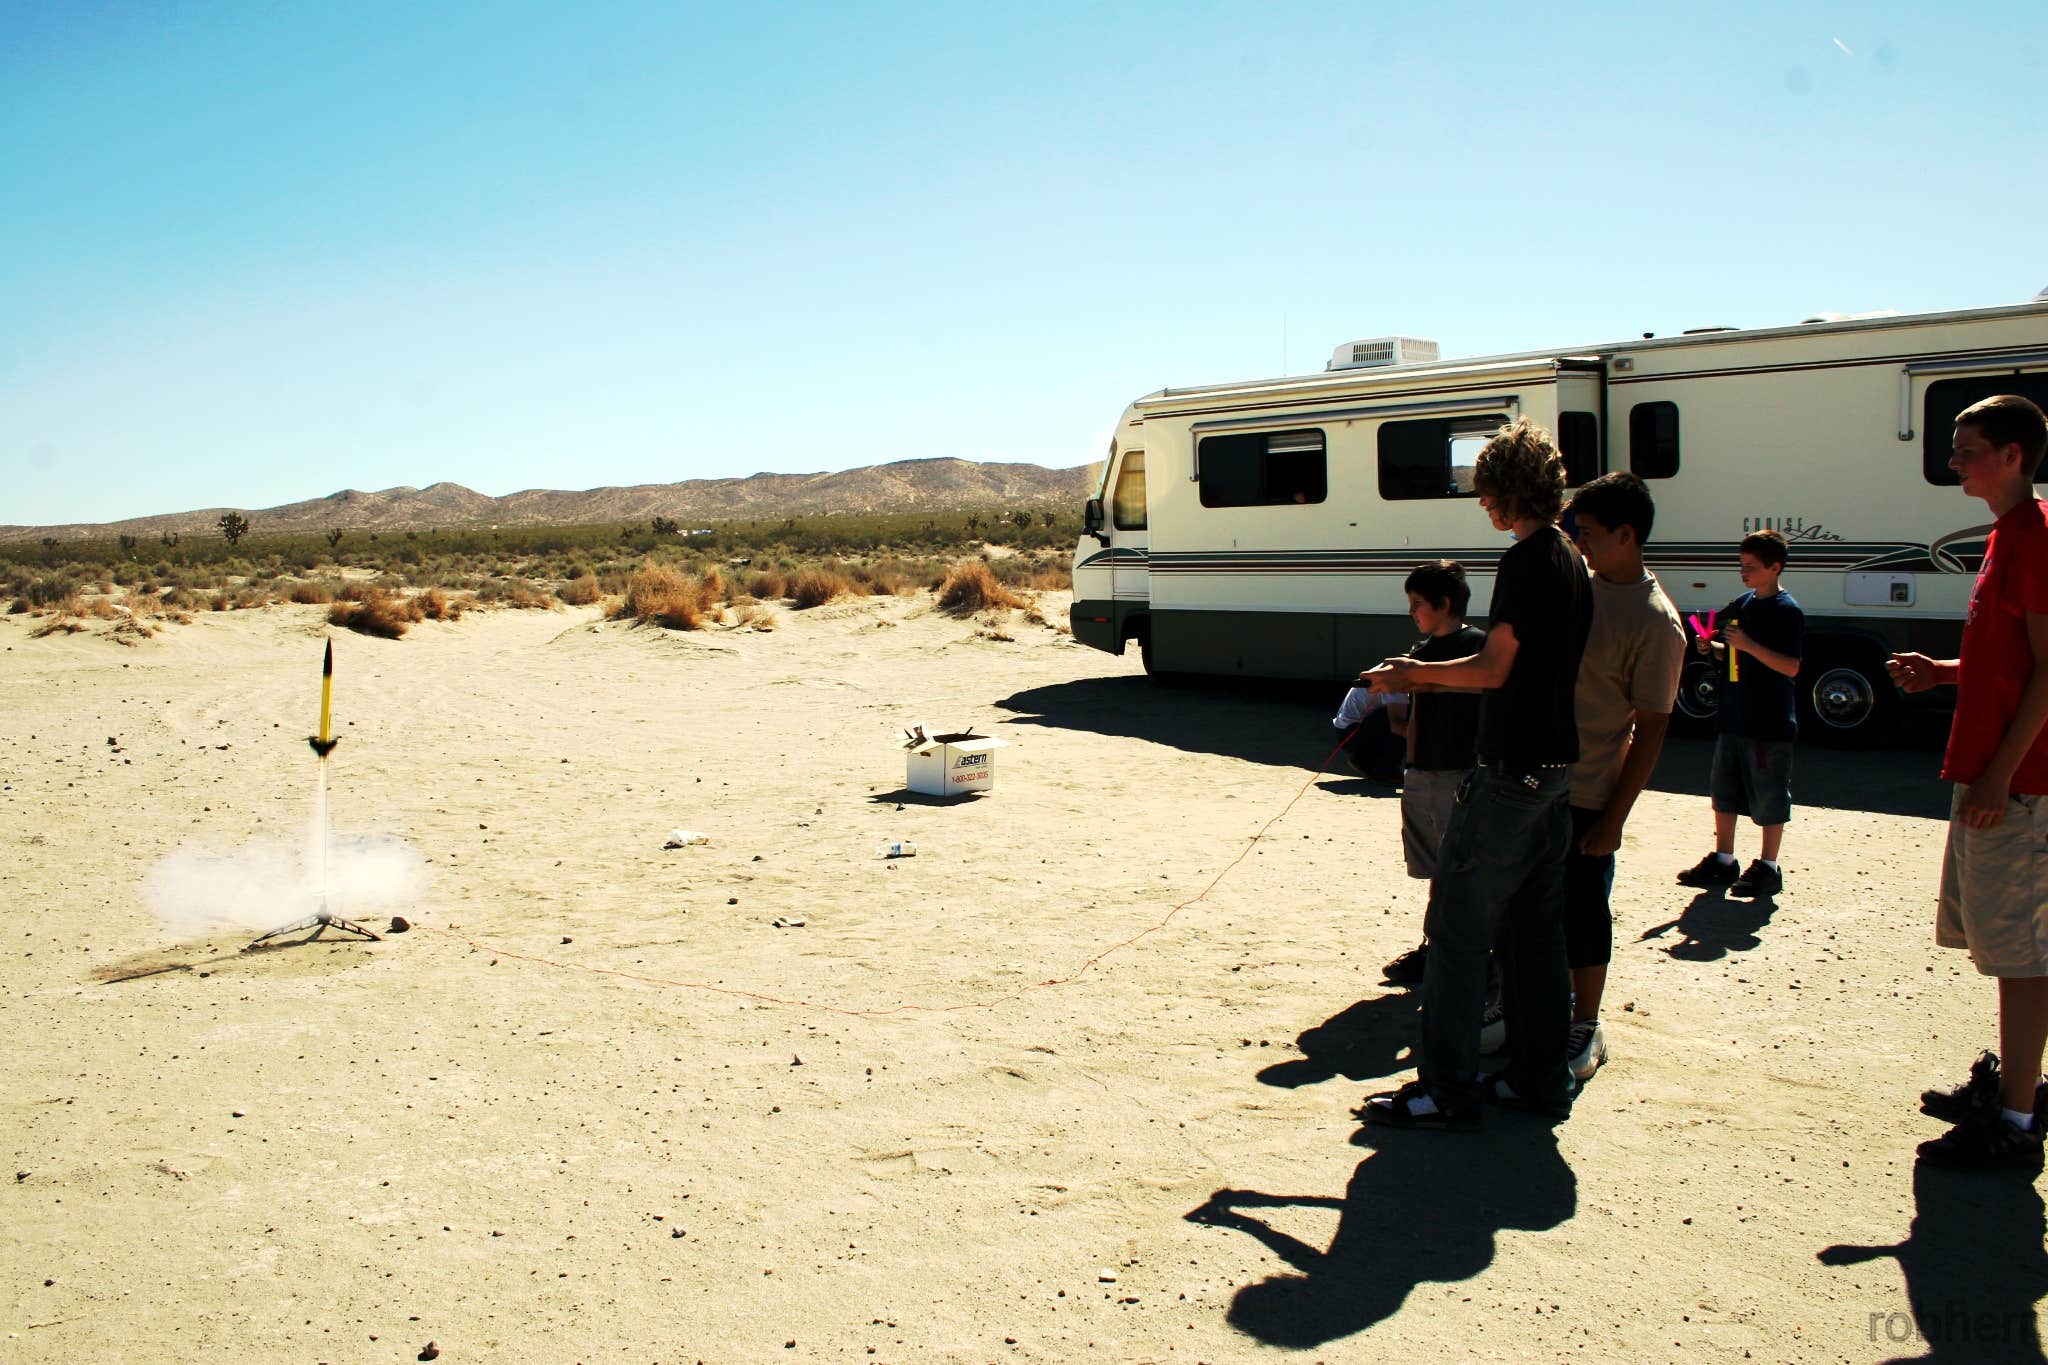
[{"x": 1500, "y": 870}]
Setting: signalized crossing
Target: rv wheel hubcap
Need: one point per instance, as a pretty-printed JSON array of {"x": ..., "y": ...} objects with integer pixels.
[{"x": 1843, "y": 698}]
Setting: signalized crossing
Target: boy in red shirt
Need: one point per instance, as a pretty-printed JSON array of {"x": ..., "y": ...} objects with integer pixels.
[{"x": 1996, "y": 866}]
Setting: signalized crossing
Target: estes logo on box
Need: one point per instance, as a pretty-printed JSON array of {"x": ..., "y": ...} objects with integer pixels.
[{"x": 970, "y": 761}]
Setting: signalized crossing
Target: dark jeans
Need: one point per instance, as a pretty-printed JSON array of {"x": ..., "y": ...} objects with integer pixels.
[
  {"x": 1588, "y": 888},
  {"x": 1500, "y": 884}
]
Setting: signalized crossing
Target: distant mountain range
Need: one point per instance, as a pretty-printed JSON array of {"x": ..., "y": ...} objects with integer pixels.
[{"x": 904, "y": 486}]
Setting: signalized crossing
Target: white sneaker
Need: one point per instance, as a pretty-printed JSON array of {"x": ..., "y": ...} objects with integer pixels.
[
  {"x": 1493, "y": 1031},
  {"x": 1587, "y": 1048}
]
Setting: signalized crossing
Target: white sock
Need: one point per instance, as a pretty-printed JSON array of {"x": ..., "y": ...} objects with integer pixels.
[
  {"x": 1769, "y": 862},
  {"x": 2023, "y": 1122},
  {"x": 1721, "y": 857}
]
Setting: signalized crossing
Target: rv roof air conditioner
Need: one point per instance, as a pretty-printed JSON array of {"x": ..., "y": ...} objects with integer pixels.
[{"x": 1382, "y": 353}]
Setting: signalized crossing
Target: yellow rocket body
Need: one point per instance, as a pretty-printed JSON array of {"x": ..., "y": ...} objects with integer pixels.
[{"x": 322, "y": 744}]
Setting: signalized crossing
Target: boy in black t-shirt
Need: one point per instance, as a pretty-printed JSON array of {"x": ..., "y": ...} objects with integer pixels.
[
  {"x": 1500, "y": 871},
  {"x": 1758, "y": 640},
  {"x": 1440, "y": 727}
]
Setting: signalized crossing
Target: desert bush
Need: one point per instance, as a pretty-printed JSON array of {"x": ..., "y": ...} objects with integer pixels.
[
  {"x": 435, "y": 605},
  {"x": 48, "y": 591},
  {"x": 20, "y": 606},
  {"x": 816, "y": 587},
  {"x": 767, "y": 585},
  {"x": 512, "y": 592},
  {"x": 970, "y": 588},
  {"x": 580, "y": 592},
  {"x": 378, "y": 613},
  {"x": 313, "y": 594},
  {"x": 664, "y": 596},
  {"x": 58, "y": 624}
]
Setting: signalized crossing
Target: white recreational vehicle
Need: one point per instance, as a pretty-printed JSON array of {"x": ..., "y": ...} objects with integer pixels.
[{"x": 1264, "y": 528}]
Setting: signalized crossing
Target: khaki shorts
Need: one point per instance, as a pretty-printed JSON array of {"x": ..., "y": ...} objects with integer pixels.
[
  {"x": 1427, "y": 796},
  {"x": 1994, "y": 889}
]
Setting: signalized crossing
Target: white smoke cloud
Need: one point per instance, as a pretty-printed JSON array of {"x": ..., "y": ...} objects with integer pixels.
[{"x": 196, "y": 891}]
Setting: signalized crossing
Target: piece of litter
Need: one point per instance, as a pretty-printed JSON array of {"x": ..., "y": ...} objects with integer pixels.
[
  {"x": 683, "y": 838},
  {"x": 1106, "y": 1276},
  {"x": 786, "y": 922},
  {"x": 896, "y": 848}
]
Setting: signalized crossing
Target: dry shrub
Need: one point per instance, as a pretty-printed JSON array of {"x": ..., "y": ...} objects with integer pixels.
[
  {"x": 816, "y": 587},
  {"x": 58, "y": 624},
  {"x": 102, "y": 607},
  {"x": 664, "y": 596},
  {"x": 379, "y": 613},
  {"x": 312, "y": 594},
  {"x": 435, "y": 605},
  {"x": 513, "y": 592},
  {"x": 180, "y": 599},
  {"x": 20, "y": 606},
  {"x": 753, "y": 614},
  {"x": 129, "y": 629},
  {"x": 580, "y": 592},
  {"x": 713, "y": 586},
  {"x": 971, "y": 588},
  {"x": 767, "y": 585}
]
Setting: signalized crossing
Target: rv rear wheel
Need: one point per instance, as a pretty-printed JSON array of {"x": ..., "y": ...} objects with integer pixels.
[
  {"x": 1851, "y": 700},
  {"x": 1697, "y": 700}
]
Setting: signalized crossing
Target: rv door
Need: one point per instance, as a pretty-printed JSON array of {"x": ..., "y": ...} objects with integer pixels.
[
  {"x": 1582, "y": 419},
  {"x": 1130, "y": 546}
]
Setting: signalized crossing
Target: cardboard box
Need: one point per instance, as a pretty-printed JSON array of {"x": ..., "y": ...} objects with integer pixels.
[{"x": 950, "y": 765}]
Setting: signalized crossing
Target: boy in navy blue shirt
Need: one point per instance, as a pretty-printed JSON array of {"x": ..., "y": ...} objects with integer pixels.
[{"x": 1758, "y": 639}]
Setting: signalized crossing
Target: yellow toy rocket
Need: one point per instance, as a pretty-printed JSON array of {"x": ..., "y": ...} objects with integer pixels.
[{"x": 322, "y": 744}]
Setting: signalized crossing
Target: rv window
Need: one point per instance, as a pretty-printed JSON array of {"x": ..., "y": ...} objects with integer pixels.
[
  {"x": 1948, "y": 397},
  {"x": 1128, "y": 509},
  {"x": 1432, "y": 457},
  {"x": 1578, "y": 440},
  {"x": 1653, "y": 440},
  {"x": 1262, "y": 468}
]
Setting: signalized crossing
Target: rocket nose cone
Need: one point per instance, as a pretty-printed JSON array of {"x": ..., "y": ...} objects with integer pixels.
[{"x": 327, "y": 662}]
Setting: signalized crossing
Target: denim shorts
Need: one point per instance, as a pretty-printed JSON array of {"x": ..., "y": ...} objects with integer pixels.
[{"x": 1753, "y": 777}]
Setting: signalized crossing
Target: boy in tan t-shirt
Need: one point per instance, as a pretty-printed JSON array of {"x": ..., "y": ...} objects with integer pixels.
[{"x": 1628, "y": 680}]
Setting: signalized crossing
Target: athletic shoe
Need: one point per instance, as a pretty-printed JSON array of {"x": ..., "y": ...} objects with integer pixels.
[
  {"x": 1412, "y": 1106},
  {"x": 1493, "y": 1030},
  {"x": 1407, "y": 969},
  {"x": 1986, "y": 1144},
  {"x": 1587, "y": 1048},
  {"x": 1976, "y": 1096},
  {"x": 1503, "y": 1091},
  {"x": 1709, "y": 871},
  {"x": 1761, "y": 881}
]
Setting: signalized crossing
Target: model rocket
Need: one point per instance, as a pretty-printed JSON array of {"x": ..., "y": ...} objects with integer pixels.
[{"x": 322, "y": 745}]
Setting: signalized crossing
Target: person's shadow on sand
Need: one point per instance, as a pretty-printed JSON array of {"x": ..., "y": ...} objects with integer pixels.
[
  {"x": 1712, "y": 926},
  {"x": 1424, "y": 1206},
  {"x": 1974, "y": 1268},
  {"x": 1373, "y": 1038}
]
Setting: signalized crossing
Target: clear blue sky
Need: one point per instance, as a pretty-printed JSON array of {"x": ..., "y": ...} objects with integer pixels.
[{"x": 251, "y": 253}]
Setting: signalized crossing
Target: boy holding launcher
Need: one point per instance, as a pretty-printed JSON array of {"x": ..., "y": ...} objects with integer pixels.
[{"x": 1994, "y": 874}]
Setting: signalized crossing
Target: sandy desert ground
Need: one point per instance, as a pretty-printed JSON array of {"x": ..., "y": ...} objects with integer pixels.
[{"x": 596, "y": 1106}]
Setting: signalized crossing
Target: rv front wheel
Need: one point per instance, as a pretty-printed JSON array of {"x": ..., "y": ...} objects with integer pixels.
[
  {"x": 1697, "y": 698},
  {"x": 1849, "y": 701}
]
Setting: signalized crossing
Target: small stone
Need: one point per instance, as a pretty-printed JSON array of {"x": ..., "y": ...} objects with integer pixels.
[
  {"x": 1105, "y": 1276},
  {"x": 430, "y": 1351},
  {"x": 567, "y": 939},
  {"x": 732, "y": 900},
  {"x": 236, "y": 1113},
  {"x": 399, "y": 924},
  {"x": 795, "y": 1060}
]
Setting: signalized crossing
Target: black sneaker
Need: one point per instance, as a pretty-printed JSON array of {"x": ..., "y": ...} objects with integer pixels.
[
  {"x": 1978, "y": 1096},
  {"x": 1407, "y": 969},
  {"x": 1413, "y": 1106},
  {"x": 1709, "y": 871},
  {"x": 1558, "y": 1106},
  {"x": 1761, "y": 881},
  {"x": 1986, "y": 1144}
]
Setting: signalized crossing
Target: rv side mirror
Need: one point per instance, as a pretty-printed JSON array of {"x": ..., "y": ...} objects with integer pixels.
[{"x": 1091, "y": 520}]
